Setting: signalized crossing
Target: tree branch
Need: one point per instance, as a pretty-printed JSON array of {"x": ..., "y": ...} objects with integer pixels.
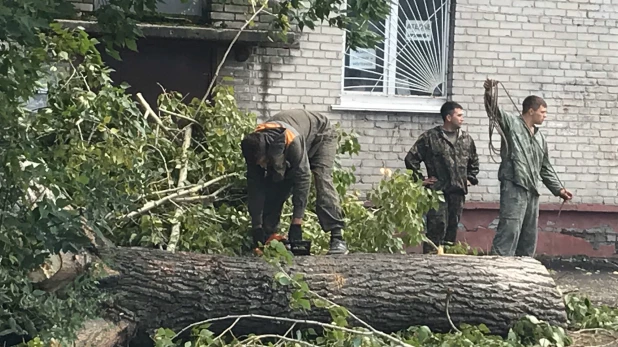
[
  {"x": 229, "y": 48},
  {"x": 259, "y": 337},
  {"x": 171, "y": 190},
  {"x": 151, "y": 113},
  {"x": 202, "y": 197},
  {"x": 167, "y": 171},
  {"x": 182, "y": 177},
  {"x": 449, "y": 293},
  {"x": 276, "y": 319},
  {"x": 152, "y": 204},
  {"x": 226, "y": 330},
  {"x": 181, "y": 116}
]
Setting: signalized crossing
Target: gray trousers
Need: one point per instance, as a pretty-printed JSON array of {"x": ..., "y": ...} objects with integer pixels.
[
  {"x": 518, "y": 226},
  {"x": 328, "y": 206}
]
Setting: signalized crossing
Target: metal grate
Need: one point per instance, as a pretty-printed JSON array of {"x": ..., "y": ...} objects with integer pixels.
[{"x": 412, "y": 59}]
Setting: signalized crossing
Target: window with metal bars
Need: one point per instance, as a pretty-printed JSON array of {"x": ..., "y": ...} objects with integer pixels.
[{"x": 408, "y": 69}]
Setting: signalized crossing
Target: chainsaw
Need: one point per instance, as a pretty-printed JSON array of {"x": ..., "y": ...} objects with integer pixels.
[{"x": 297, "y": 247}]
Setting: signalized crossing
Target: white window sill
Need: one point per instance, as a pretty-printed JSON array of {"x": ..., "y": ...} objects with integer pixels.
[{"x": 380, "y": 103}]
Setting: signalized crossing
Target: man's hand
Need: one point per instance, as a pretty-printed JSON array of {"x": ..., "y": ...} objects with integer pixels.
[
  {"x": 490, "y": 83},
  {"x": 565, "y": 194},
  {"x": 295, "y": 233},
  {"x": 429, "y": 181}
]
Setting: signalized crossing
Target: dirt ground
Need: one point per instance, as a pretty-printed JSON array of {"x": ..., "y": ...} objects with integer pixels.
[{"x": 595, "y": 278}]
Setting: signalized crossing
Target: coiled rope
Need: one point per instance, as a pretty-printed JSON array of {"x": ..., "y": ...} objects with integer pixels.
[{"x": 493, "y": 113}]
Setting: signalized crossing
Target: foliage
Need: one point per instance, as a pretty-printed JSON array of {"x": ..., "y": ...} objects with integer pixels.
[
  {"x": 32, "y": 311},
  {"x": 86, "y": 152},
  {"x": 583, "y": 314},
  {"x": 209, "y": 223},
  {"x": 355, "y": 16},
  {"x": 461, "y": 248},
  {"x": 50, "y": 162}
]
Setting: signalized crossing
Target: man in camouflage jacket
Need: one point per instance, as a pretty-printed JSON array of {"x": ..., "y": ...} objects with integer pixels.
[
  {"x": 524, "y": 159},
  {"x": 452, "y": 164}
]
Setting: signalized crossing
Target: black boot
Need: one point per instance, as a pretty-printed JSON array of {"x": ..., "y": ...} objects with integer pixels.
[
  {"x": 259, "y": 236},
  {"x": 337, "y": 245}
]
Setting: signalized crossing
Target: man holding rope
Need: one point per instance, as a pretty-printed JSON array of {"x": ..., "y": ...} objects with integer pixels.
[{"x": 524, "y": 157}]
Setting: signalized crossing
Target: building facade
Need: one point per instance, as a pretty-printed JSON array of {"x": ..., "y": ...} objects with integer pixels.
[{"x": 438, "y": 50}]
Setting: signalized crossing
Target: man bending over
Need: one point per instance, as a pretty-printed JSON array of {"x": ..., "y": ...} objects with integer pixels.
[{"x": 281, "y": 154}]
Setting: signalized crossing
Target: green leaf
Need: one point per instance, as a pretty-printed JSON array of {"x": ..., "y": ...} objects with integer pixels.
[
  {"x": 320, "y": 303},
  {"x": 341, "y": 321},
  {"x": 131, "y": 44},
  {"x": 284, "y": 280},
  {"x": 304, "y": 303},
  {"x": 423, "y": 334},
  {"x": 297, "y": 294}
]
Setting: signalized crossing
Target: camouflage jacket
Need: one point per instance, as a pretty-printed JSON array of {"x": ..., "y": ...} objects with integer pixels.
[{"x": 452, "y": 164}]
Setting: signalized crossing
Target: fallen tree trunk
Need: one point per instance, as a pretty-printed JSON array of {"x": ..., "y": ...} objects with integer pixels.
[
  {"x": 103, "y": 333},
  {"x": 390, "y": 292}
]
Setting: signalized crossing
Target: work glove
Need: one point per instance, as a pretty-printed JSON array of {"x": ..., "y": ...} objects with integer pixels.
[{"x": 295, "y": 233}]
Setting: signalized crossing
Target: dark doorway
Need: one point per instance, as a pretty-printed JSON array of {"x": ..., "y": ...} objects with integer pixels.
[{"x": 185, "y": 66}]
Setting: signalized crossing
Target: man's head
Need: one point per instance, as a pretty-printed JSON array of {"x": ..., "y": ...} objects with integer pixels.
[
  {"x": 452, "y": 114},
  {"x": 253, "y": 148},
  {"x": 535, "y": 109}
]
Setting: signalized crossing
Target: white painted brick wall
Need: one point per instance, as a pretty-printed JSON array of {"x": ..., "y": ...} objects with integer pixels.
[
  {"x": 561, "y": 51},
  {"x": 281, "y": 78}
]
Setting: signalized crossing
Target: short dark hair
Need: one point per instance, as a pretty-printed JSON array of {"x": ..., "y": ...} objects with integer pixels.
[
  {"x": 448, "y": 108},
  {"x": 252, "y": 147},
  {"x": 532, "y": 102}
]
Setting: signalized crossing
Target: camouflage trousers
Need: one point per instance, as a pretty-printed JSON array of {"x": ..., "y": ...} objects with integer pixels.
[
  {"x": 328, "y": 206},
  {"x": 518, "y": 225},
  {"x": 442, "y": 223}
]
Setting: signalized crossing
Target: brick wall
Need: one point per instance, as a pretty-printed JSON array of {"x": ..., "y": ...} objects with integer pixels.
[
  {"x": 233, "y": 14},
  {"x": 277, "y": 78},
  {"x": 562, "y": 51}
]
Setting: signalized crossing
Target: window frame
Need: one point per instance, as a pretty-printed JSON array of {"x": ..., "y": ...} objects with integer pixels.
[{"x": 388, "y": 101}]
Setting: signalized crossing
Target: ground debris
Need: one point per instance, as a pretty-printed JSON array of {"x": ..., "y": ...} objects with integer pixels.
[{"x": 594, "y": 338}]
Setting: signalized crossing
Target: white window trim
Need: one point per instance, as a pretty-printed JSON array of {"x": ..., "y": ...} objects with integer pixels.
[
  {"x": 379, "y": 102},
  {"x": 385, "y": 103}
]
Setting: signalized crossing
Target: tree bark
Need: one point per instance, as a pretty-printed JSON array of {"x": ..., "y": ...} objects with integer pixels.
[
  {"x": 390, "y": 292},
  {"x": 104, "y": 333}
]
